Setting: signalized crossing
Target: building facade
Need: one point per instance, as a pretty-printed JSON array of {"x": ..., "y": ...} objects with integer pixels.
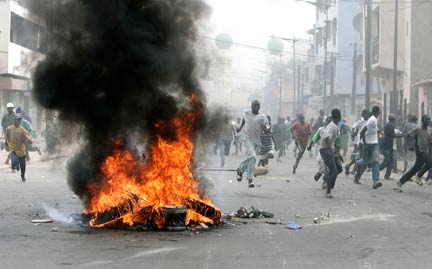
[
  {"x": 23, "y": 42},
  {"x": 414, "y": 62},
  {"x": 330, "y": 65}
]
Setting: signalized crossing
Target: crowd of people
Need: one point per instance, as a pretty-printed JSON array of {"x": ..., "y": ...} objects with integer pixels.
[{"x": 329, "y": 138}]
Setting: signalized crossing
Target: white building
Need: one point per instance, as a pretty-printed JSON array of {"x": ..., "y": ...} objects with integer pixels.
[{"x": 334, "y": 32}]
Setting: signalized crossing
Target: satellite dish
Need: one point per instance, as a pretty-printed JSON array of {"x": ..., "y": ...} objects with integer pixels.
[
  {"x": 223, "y": 41},
  {"x": 358, "y": 22},
  {"x": 275, "y": 45}
]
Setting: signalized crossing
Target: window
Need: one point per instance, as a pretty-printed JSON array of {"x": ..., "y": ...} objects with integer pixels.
[
  {"x": 28, "y": 34},
  {"x": 318, "y": 73}
]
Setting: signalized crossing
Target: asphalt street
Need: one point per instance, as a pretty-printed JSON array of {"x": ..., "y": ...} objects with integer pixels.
[{"x": 366, "y": 228}]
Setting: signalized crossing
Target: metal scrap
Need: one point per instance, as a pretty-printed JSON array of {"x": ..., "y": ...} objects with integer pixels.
[{"x": 252, "y": 212}]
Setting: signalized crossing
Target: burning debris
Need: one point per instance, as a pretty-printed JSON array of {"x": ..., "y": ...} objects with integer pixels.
[{"x": 126, "y": 70}]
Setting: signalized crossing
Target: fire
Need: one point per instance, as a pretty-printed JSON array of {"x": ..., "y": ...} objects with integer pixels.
[{"x": 128, "y": 192}]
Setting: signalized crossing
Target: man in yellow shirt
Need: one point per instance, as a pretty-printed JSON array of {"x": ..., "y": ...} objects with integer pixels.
[{"x": 16, "y": 136}]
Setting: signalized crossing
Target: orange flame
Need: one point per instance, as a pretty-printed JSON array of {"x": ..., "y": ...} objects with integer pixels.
[{"x": 166, "y": 180}]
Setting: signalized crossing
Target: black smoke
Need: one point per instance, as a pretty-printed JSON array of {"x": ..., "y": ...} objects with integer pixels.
[{"x": 117, "y": 67}]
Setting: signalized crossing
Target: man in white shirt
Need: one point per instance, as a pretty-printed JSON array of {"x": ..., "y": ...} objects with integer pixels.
[
  {"x": 358, "y": 143},
  {"x": 369, "y": 135},
  {"x": 328, "y": 151},
  {"x": 253, "y": 124}
]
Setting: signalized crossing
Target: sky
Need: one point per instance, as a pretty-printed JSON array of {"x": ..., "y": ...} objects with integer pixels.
[{"x": 254, "y": 21}]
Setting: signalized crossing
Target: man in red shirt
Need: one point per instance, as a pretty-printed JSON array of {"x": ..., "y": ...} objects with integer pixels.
[{"x": 301, "y": 132}]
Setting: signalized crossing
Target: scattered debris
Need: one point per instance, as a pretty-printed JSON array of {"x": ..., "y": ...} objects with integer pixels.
[
  {"x": 275, "y": 223},
  {"x": 325, "y": 216},
  {"x": 42, "y": 221},
  {"x": 230, "y": 181},
  {"x": 252, "y": 212},
  {"x": 203, "y": 225},
  {"x": 54, "y": 229},
  {"x": 298, "y": 215},
  {"x": 288, "y": 180},
  {"x": 429, "y": 214},
  {"x": 352, "y": 202},
  {"x": 294, "y": 226},
  {"x": 261, "y": 171},
  {"x": 351, "y": 236}
]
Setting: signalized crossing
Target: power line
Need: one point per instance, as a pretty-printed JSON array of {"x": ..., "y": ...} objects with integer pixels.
[
  {"x": 403, "y": 8},
  {"x": 385, "y": 2},
  {"x": 274, "y": 51}
]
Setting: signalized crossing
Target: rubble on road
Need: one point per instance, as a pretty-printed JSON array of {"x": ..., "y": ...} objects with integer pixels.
[
  {"x": 325, "y": 216},
  {"x": 42, "y": 221},
  {"x": 252, "y": 212},
  {"x": 352, "y": 202}
]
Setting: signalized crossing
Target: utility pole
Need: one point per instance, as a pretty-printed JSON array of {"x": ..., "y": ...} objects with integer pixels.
[
  {"x": 294, "y": 74},
  {"x": 293, "y": 41},
  {"x": 280, "y": 85},
  {"x": 298, "y": 84},
  {"x": 326, "y": 6},
  {"x": 354, "y": 82},
  {"x": 332, "y": 74},
  {"x": 394, "y": 95},
  {"x": 368, "y": 52},
  {"x": 302, "y": 87},
  {"x": 325, "y": 62}
]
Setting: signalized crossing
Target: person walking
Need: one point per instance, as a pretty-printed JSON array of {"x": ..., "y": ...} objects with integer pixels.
[
  {"x": 17, "y": 136},
  {"x": 357, "y": 142},
  {"x": 266, "y": 149},
  {"x": 225, "y": 139},
  {"x": 387, "y": 146},
  {"x": 8, "y": 118},
  {"x": 238, "y": 140},
  {"x": 288, "y": 135},
  {"x": 318, "y": 123},
  {"x": 279, "y": 135},
  {"x": 409, "y": 143},
  {"x": 369, "y": 134},
  {"x": 423, "y": 161},
  {"x": 345, "y": 131},
  {"x": 301, "y": 131},
  {"x": 316, "y": 139},
  {"x": 253, "y": 123},
  {"x": 329, "y": 151}
]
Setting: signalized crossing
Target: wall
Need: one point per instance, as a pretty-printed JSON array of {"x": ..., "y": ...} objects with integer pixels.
[{"x": 4, "y": 35}]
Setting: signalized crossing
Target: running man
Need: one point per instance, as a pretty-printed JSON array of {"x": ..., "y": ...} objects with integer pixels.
[
  {"x": 329, "y": 151},
  {"x": 301, "y": 131},
  {"x": 423, "y": 162},
  {"x": 253, "y": 123},
  {"x": 369, "y": 134},
  {"x": 16, "y": 136}
]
